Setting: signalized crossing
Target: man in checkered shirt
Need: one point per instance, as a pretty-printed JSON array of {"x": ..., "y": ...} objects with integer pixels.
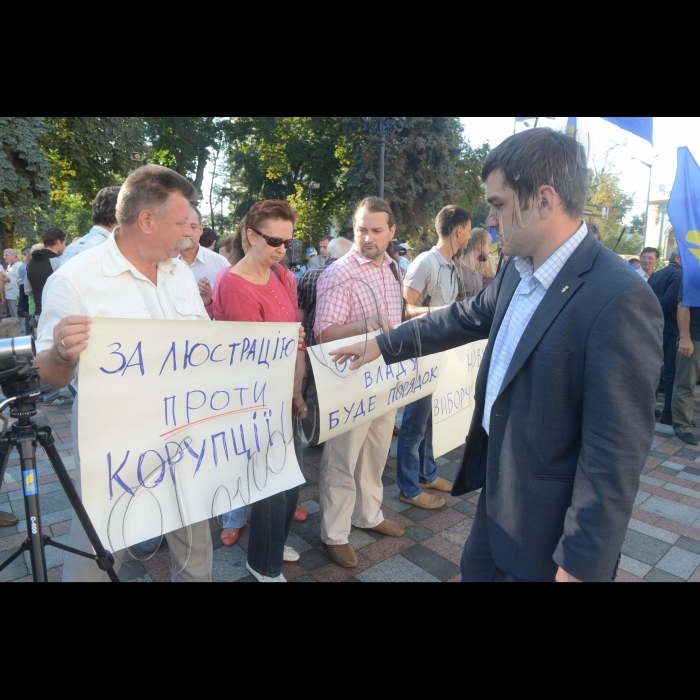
[{"x": 361, "y": 293}]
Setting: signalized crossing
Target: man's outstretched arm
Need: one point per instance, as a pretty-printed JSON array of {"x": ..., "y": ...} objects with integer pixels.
[{"x": 457, "y": 325}]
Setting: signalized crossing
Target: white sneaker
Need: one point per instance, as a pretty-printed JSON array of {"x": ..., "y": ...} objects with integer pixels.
[
  {"x": 265, "y": 579},
  {"x": 290, "y": 556}
]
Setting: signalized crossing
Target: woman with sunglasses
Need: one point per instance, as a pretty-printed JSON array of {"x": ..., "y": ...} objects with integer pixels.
[
  {"x": 259, "y": 290},
  {"x": 235, "y": 249}
]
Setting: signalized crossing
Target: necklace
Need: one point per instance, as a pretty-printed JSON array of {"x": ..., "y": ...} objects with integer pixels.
[{"x": 250, "y": 272}]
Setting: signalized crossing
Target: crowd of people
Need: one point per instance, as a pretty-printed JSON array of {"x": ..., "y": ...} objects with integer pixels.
[
  {"x": 681, "y": 343},
  {"x": 553, "y": 505}
]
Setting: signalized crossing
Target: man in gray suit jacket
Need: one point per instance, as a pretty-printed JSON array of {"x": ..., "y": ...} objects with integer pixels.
[{"x": 566, "y": 393}]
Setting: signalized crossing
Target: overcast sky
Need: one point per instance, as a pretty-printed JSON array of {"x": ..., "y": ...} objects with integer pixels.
[{"x": 670, "y": 134}]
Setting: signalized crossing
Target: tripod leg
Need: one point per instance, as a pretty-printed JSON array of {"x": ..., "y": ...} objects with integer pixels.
[
  {"x": 5, "y": 449},
  {"x": 104, "y": 560},
  {"x": 30, "y": 483}
]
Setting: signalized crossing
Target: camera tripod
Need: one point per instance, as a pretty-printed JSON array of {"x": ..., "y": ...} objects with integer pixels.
[{"x": 24, "y": 436}]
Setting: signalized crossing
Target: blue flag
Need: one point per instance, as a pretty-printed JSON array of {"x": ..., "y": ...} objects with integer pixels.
[
  {"x": 572, "y": 126},
  {"x": 494, "y": 239},
  {"x": 641, "y": 126},
  {"x": 684, "y": 212}
]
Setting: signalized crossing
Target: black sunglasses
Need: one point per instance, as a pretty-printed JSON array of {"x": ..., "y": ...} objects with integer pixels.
[{"x": 274, "y": 242}]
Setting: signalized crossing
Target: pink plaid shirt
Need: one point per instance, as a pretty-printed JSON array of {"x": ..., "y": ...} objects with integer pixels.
[{"x": 354, "y": 288}]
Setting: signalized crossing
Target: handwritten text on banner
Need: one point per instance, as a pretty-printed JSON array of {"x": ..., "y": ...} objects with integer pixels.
[
  {"x": 180, "y": 422},
  {"x": 453, "y": 401},
  {"x": 349, "y": 399}
]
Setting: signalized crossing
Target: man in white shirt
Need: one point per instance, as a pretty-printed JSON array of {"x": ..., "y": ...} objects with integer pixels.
[
  {"x": 205, "y": 264},
  {"x": 104, "y": 218},
  {"x": 133, "y": 275},
  {"x": 650, "y": 259},
  {"x": 12, "y": 281}
]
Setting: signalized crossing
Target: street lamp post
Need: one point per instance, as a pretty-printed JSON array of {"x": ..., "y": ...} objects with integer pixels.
[
  {"x": 383, "y": 126},
  {"x": 312, "y": 186},
  {"x": 651, "y": 172}
]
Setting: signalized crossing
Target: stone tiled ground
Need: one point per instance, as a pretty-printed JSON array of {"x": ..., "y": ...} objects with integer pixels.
[{"x": 663, "y": 543}]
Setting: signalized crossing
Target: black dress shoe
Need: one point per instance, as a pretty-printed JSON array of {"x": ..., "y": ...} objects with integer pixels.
[
  {"x": 688, "y": 438},
  {"x": 663, "y": 421}
]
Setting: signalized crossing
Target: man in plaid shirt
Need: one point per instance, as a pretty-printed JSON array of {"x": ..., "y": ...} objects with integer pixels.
[
  {"x": 308, "y": 287},
  {"x": 359, "y": 294}
]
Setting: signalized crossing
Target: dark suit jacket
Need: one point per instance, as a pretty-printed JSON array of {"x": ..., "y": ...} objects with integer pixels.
[
  {"x": 666, "y": 284},
  {"x": 574, "y": 422}
]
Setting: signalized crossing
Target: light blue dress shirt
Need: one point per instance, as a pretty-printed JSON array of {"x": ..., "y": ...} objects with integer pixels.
[{"x": 529, "y": 295}]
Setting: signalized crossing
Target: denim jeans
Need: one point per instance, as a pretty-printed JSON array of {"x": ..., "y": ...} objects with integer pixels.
[
  {"x": 416, "y": 464},
  {"x": 669, "y": 373},
  {"x": 270, "y": 527},
  {"x": 235, "y": 520}
]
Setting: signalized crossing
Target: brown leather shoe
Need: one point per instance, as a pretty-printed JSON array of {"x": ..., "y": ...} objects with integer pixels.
[
  {"x": 8, "y": 520},
  {"x": 343, "y": 555},
  {"x": 439, "y": 485},
  {"x": 389, "y": 528},
  {"x": 424, "y": 501}
]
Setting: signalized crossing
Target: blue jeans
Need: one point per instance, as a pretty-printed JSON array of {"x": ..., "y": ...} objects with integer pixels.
[
  {"x": 416, "y": 464},
  {"x": 236, "y": 519},
  {"x": 669, "y": 373},
  {"x": 270, "y": 527}
]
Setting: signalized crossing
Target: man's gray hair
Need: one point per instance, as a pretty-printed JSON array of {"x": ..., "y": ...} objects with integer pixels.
[
  {"x": 13, "y": 251},
  {"x": 675, "y": 253},
  {"x": 339, "y": 248},
  {"x": 150, "y": 188}
]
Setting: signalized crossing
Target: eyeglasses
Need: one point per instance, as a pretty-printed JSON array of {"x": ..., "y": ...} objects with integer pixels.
[{"x": 274, "y": 242}]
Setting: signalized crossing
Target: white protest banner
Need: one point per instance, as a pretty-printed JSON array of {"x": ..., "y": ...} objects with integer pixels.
[
  {"x": 350, "y": 399},
  {"x": 183, "y": 421},
  {"x": 453, "y": 401}
]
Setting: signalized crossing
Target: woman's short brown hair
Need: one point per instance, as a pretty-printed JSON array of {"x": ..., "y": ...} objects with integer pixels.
[{"x": 270, "y": 210}]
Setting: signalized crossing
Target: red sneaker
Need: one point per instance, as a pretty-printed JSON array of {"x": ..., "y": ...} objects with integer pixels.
[{"x": 301, "y": 515}]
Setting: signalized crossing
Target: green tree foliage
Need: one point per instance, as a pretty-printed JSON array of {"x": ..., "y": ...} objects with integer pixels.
[
  {"x": 279, "y": 157},
  {"x": 468, "y": 177},
  {"x": 24, "y": 182},
  {"x": 185, "y": 144},
  {"x": 89, "y": 153},
  {"x": 71, "y": 215},
  {"x": 632, "y": 242},
  {"x": 605, "y": 190},
  {"x": 424, "y": 170},
  {"x": 428, "y": 166}
]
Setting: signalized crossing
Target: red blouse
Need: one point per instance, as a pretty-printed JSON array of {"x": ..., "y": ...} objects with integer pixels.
[{"x": 236, "y": 299}]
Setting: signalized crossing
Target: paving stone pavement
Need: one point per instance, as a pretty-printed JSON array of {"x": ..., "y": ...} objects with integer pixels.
[{"x": 663, "y": 543}]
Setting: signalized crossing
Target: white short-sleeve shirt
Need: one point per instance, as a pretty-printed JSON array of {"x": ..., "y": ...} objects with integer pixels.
[
  {"x": 102, "y": 283},
  {"x": 208, "y": 264},
  {"x": 12, "y": 286}
]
